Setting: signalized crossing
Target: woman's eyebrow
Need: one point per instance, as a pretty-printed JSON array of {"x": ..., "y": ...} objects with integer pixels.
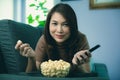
[
  {"x": 53, "y": 20},
  {"x": 65, "y": 22}
]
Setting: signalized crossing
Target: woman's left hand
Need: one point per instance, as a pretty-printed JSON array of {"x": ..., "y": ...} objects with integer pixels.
[{"x": 81, "y": 57}]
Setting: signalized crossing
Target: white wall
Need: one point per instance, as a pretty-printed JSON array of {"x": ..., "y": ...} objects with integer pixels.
[{"x": 6, "y": 9}]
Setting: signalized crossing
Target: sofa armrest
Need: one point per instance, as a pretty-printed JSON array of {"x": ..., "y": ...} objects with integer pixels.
[{"x": 101, "y": 70}]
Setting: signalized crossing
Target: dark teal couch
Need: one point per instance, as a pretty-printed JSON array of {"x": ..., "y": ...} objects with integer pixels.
[
  {"x": 10, "y": 32},
  {"x": 11, "y": 62}
]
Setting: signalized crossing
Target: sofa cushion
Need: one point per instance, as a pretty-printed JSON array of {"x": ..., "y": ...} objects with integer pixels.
[
  {"x": 2, "y": 64},
  {"x": 10, "y": 32}
]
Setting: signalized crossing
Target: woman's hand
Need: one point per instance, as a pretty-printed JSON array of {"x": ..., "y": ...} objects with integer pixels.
[
  {"x": 81, "y": 57},
  {"x": 25, "y": 49}
]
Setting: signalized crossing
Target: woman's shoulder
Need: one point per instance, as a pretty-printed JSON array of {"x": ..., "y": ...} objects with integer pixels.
[
  {"x": 42, "y": 39},
  {"x": 82, "y": 41},
  {"x": 80, "y": 34}
]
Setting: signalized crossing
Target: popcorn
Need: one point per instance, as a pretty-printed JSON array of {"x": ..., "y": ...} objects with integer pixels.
[
  {"x": 57, "y": 68},
  {"x": 19, "y": 41}
]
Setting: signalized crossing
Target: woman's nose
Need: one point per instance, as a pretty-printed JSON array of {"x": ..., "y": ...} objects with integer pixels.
[{"x": 59, "y": 29}]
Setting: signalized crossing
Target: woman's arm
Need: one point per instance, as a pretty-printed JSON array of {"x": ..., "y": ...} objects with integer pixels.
[
  {"x": 30, "y": 65},
  {"x": 85, "y": 68},
  {"x": 26, "y": 51},
  {"x": 38, "y": 65},
  {"x": 40, "y": 51},
  {"x": 81, "y": 61}
]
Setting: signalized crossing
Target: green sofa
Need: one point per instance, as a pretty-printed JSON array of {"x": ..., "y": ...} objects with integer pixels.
[{"x": 11, "y": 62}]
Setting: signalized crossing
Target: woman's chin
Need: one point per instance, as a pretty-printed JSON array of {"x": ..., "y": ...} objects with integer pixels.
[{"x": 59, "y": 40}]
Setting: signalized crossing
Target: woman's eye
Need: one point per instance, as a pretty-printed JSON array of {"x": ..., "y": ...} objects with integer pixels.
[
  {"x": 65, "y": 24},
  {"x": 54, "y": 23}
]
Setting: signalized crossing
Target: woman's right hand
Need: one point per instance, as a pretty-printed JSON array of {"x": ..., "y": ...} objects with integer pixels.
[{"x": 25, "y": 49}]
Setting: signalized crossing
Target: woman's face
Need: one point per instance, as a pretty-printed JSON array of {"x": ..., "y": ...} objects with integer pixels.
[{"x": 59, "y": 28}]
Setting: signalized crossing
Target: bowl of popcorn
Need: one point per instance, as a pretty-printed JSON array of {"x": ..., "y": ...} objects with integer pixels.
[{"x": 57, "y": 68}]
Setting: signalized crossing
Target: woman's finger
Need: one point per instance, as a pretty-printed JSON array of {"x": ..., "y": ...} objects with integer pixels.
[
  {"x": 88, "y": 53},
  {"x": 30, "y": 52},
  {"x": 75, "y": 61},
  {"x": 22, "y": 47},
  {"x": 25, "y": 51},
  {"x": 18, "y": 44},
  {"x": 84, "y": 57}
]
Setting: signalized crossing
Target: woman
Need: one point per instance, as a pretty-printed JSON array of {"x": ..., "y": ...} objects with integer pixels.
[{"x": 61, "y": 40}]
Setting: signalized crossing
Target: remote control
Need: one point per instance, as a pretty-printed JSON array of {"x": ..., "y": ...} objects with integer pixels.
[{"x": 94, "y": 48}]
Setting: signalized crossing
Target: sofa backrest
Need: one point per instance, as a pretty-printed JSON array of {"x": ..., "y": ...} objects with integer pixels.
[{"x": 10, "y": 31}]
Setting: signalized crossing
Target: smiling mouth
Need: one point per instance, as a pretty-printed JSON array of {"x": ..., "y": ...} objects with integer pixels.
[{"x": 59, "y": 36}]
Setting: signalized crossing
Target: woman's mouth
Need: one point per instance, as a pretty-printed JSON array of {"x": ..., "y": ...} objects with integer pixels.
[{"x": 59, "y": 36}]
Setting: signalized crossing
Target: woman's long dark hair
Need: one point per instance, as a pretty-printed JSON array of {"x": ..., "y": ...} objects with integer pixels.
[{"x": 68, "y": 13}]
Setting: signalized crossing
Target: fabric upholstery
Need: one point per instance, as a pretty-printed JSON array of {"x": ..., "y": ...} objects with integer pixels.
[
  {"x": 10, "y": 32},
  {"x": 101, "y": 70},
  {"x": 2, "y": 64}
]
